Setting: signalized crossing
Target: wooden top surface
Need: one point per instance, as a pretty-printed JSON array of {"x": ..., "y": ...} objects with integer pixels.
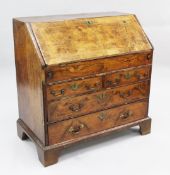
[{"x": 77, "y": 38}]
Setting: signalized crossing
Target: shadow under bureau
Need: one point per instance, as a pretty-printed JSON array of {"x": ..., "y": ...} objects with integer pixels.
[{"x": 80, "y": 77}]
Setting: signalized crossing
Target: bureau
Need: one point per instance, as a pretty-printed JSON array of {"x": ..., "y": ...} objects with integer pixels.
[{"x": 80, "y": 77}]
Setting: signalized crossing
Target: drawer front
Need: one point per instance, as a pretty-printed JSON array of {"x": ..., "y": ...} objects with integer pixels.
[
  {"x": 74, "y": 88},
  {"x": 127, "y": 76},
  {"x": 81, "y": 105},
  {"x": 88, "y": 68},
  {"x": 88, "y": 124}
]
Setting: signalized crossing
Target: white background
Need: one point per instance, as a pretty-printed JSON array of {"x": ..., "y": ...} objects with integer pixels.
[{"x": 122, "y": 153}]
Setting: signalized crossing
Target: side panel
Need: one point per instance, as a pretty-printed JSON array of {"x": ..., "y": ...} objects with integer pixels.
[{"x": 30, "y": 76}]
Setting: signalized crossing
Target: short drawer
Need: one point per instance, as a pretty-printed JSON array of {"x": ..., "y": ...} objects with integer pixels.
[
  {"x": 88, "y": 68},
  {"x": 96, "y": 122},
  {"x": 127, "y": 76},
  {"x": 74, "y": 88},
  {"x": 81, "y": 105}
]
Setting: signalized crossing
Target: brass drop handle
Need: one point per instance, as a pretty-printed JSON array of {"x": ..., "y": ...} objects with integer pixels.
[
  {"x": 125, "y": 94},
  {"x": 139, "y": 76},
  {"x": 110, "y": 83},
  {"x": 76, "y": 129},
  {"x": 76, "y": 107},
  {"x": 90, "y": 88},
  {"x": 57, "y": 93},
  {"x": 76, "y": 68},
  {"x": 140, "y": 89},
  {"x": 149, "y": 56},
  {"x": 126, "y": 114},
  {"x": 117, "y": 81}
]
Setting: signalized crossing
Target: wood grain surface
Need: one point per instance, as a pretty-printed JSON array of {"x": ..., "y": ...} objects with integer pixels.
[
  {"x": 82, "y": 39},
  {"x": 30, "y": 76},
  {"x": 97, "y": 66},
  {"x": 79, "y": 77},
  {"x": 81, "y": 105},
  {"x": 85, "y": 125}
]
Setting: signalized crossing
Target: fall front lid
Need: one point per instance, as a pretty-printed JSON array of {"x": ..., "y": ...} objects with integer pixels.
[{"x": 62, "y": 41}]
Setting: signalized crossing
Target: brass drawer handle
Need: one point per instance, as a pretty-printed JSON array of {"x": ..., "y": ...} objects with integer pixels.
[
  {"x": 54, "y": 93},
  {"x": 89, "y": 87},
  {"x": 76, "y": 107},
  {"x": 126, "y": 114},
  {"x": 125, "y": 94},
  {"x": 76, "y": 68},
  {"x": 76, "y": 129},
  {"x": 110, "y": 83},
  {"x": 140, "y": 89},
  {"x": 140, "y": 76},
  {"x": 93, "y": 86}
]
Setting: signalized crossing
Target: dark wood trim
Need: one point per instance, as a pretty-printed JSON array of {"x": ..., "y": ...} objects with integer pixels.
[{"x": 45, "y": 113}]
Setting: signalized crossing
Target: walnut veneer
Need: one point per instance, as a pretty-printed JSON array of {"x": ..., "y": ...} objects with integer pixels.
[{"x": 80, "y": 77}]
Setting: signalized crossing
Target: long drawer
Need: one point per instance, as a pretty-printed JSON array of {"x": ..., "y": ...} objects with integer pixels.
[
  {"x": 85, "y": 104},
  {"x": 87, "y": 68},
  {"x": 78, "y": 87},
  {"x": 92, "y": 123}
]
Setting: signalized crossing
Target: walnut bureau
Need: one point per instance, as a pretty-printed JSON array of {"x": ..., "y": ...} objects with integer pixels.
[{"x": 80, "y": 77}]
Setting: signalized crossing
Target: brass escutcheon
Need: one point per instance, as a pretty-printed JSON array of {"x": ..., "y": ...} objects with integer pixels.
[
  {"x": 128, "y": 76},
  {"x": 102, "y": 97},
  {"x": 102, "y": 116},
  {"x": 74, "y": 86},
  {"x": 88, "y": 23}
]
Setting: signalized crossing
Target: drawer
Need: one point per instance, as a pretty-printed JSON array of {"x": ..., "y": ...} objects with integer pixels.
[
  {"x": 89, "y": 68},
  {"x": 92, "y": 123},
  {"x": 81, "y": 105},
  {"x": 127, "y": 76},
  {"x": 74, "y": 88}
]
